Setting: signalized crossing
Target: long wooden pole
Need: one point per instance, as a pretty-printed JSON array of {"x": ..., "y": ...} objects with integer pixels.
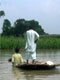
[{"x": 57, "y": 64}]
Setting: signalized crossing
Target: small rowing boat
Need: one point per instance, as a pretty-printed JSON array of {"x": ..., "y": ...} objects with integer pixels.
[{"x": 37, "y": 65}]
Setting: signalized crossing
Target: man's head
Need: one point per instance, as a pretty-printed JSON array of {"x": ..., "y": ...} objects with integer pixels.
[{"x": 30, "y": 27}]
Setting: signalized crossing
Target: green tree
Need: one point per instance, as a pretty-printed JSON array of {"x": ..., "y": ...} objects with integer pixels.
[
  {"x": 20, "y": 27},
  {"x": 12, "y": 31},
  {"x": 6, "y": 27},
  {"x": 36, "y": 26},
  {"x": 40, "y": 30},
  {"x": 2, "y": 13},
  {"x": 33, "y": 23}
]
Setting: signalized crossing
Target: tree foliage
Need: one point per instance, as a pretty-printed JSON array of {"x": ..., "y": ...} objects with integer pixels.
[
  {"x": 2, "y": 13},
  {"x": 20, "y": 27},
  {"x": 6, "y": 27}
]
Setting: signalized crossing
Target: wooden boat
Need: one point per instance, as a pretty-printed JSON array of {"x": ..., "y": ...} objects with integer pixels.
[{"x": 37, "y": 66}]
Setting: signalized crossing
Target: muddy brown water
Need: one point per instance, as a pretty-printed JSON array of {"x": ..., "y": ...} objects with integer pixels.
[{"x": 8, "y": 72}]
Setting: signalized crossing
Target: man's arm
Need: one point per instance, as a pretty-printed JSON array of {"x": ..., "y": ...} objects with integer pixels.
[
  {"x": 36, "y": 40},
  {"x": 36, "y": 37}
]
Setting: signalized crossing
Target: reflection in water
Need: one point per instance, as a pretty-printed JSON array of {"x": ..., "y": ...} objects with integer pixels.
[
  {"x": 33, "y": 74},
  {"x": 17, "y": 73}
]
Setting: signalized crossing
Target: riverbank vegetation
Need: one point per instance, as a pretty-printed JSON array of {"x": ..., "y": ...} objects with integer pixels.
[
  {"x": 49, "y": 43},
  {"x": 45, "y": 42},
  {"x": 14, "y": 36},
  {"x": 11, "y": 42},
  {"x": 20, "y": 27}
]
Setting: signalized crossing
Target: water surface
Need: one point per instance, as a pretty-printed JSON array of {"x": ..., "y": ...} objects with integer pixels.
[{"x": 7, "y": 72}]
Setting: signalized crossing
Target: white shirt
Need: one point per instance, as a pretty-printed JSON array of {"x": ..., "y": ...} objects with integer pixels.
[{"x": 31, "y": 37}]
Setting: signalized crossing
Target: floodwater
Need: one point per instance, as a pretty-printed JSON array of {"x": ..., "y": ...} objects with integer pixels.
[{"x": 8, "y": 72}]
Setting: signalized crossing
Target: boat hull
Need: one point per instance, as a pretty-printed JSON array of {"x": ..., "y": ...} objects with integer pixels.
[{"x": 36, "y": 66}]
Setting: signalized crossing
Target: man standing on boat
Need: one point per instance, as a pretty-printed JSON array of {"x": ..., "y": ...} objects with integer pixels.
[{"x": 32, "y": 38}]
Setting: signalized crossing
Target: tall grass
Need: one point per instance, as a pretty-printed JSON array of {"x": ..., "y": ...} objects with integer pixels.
[
  {"x": 43, "y": 43},
  {"x": 12, "y": 42},
  {"x": 49, "y": 43}
]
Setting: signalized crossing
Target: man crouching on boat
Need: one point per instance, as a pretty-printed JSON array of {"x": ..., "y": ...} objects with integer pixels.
[
  {"x": 31, "y": 39},
  {"x": 17, "y": 58}
]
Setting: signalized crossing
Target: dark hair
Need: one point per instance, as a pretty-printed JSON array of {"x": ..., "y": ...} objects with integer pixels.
[
  {"x": 30, "y": 27},
  {"x": 16, "y": 50}
]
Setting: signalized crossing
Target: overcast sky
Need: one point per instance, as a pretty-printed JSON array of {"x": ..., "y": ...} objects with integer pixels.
[{"x": 46, "y": 12}]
